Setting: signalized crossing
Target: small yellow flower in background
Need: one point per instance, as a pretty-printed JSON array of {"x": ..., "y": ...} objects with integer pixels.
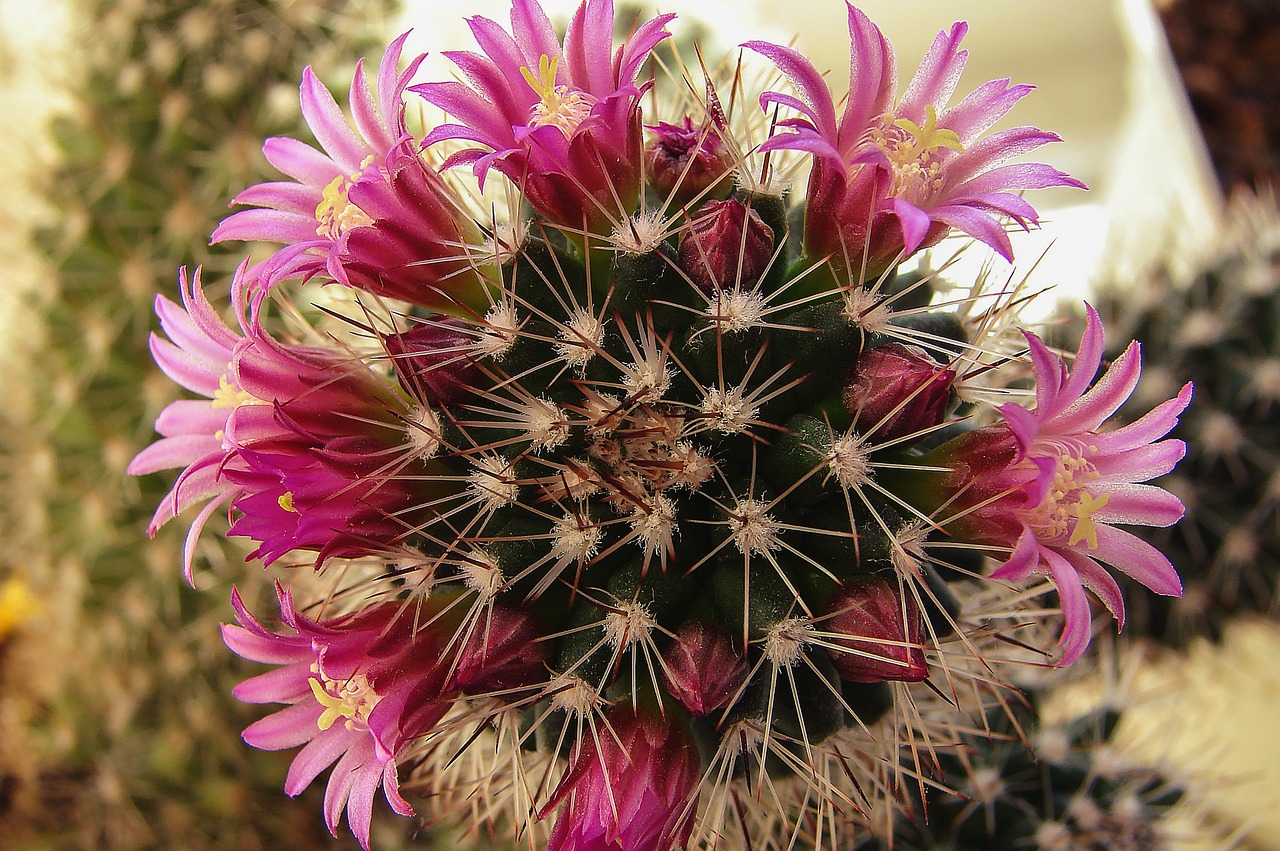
[{"x": 18, "y": 606}]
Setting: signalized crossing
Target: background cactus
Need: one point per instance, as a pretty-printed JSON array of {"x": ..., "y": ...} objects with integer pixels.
[
  {"x": 120, "y": 737},
  {"x": 1217, "y": 327}
]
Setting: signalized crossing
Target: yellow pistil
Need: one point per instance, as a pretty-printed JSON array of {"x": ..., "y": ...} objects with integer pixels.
[
  {"x": 285, "y": 500},
  {"x": 912, "y": 151},
  {"x": 1086, "y": 528},
  {"x": 335, "y": 214},
  {"x": 926, "y": 139},
  {"x": 352, "y": 699},
  {"x": 557, "y": 105},
  {"x": 228, "y": 395}
]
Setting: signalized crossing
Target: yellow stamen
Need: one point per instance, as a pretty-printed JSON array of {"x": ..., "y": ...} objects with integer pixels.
[
  {"x": 334, "y": 707},
  {"x": 1086, "y": 527},
  {"x": 285, "y": 501},
  {"x": 229, "y": 395}
]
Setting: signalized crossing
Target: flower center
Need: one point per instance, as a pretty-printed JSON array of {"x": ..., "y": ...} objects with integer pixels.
[
  {"x": 352, "y": 699},
  {"x": 558, "y": 106},
  {"x": 229, "y": 395},
  {"x": 912, "y": 150},
  {"x": 1068, "y": 507},
  {"x": 335, "y": 214}
]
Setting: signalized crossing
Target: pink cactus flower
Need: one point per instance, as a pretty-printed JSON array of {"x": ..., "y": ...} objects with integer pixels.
[
  {"x": 359, "y": 688},
  {"x": 1047, "y": 484},
  {"x": 256, "y": 390},
  {"x": 635, "y": 789},
  {"x": 685, "y": 162},
  {"x": 891, "y": 177},
  {"x": 367, "y": 212},
  {"x": 562, "y": 124}
]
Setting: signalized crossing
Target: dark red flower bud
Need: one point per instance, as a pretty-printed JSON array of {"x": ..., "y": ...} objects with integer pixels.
[
  {"x": 725, "y": 245},
  {"x": 683, "y": 161},
  {"x": 703, "y": 669},
  {"x": 882, "y": 630},
  {"x": 894, "y": 390},
  {"x": 434, "y": 360},
  {"x": 502, "y": 652}
]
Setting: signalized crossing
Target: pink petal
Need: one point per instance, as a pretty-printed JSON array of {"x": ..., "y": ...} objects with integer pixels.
[
  {"x": 266, "y": 226},
  {"x": 1077, "y": 628},
  {"x": 1101, "y": 583},
  {"x": 1142, "y": 463},
  {"x": 360, "y": 801},
  {"x": 329, "y": 126},
  {"x": 873, "y": 77},
  {"x": 318, "y": 755},
  {"x": 282, "y": 685},
  {"x": 1138, "y": 559},
  {"x": 285, "y": 729},
  {"x": 979, "y": 225},
  {"x": 807, "y": 82},
  {"x": 915, "y": 225},
  {"x": 301, "y": 161},
  {"x": 1156, "y": 424},
  {"x": 1089, "y": 411},
  {"x": 1145, "y": 505},
  {"x": 981, "y": 108},
  {"x": 634, "y": 53},
  {"x": 1024, "y": 560},
  {"x": 588, "y": 48},
  {"x": 171, "y": 452},
  {"x": 1088, "y": 359},
  {"x": 936, "y": 79},
  {"x": 338, "y": 790}
]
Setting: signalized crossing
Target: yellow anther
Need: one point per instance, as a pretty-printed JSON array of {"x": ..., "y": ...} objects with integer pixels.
[
  {"x": 928, "y": 138},
  {"x": 335, "y": 214},
  {"x": 229, "y": 395},
  {"x": 334, "y": 707},
  {"x": 285, "y": 501},
  {"x": 1086, "y": 527}
]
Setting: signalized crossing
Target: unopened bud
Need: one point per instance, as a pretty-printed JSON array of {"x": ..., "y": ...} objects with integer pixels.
[
  {"x": 881, "y": 627},
  {"x": 503, "y": 652},
  {"x": 894, "y": 390},
  {"x": 726, "y": 245},
  {"x": 684, "y": 161},
  {"x": 434, "y": 360},
  {"x": 703, "y": 670}
]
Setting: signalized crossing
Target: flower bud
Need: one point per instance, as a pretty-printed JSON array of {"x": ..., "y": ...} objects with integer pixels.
[
  {"x": 725, "y": 245},
  {"x": 434, "y": 360},
  {"x": 634, "y": 787},
  {"x": 684, "y": 161},
  {"x": 894, "y": 390},
  {"x": 503, "y": 652},
  {"x": 703, "y": 669},
  {"x": 882, "y": 629}
]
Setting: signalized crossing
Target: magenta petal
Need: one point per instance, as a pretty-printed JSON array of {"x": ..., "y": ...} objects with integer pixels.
[
  {"x": 873, "y": 76},
  {"x": 282, "y": 685},
  {"x": 1146, "y": 505},
  {"x": 936, "y": 79},
  {"x": 319, "y": 754},
  {"x": 1023, "y": 561},
  {"x": 1142, "y": 463},
  {"x": 360, "y": 801},
  {"x": 915, "y": 225},
  {"x": 1137, "y": 559},
  {"x": 266, "y": 648},
  {"x": 588, "y": 47},
  {"x": 808, "y": 83},
  {"x": 329, "y": 125},
  {"x": 171, "y": 452},
  {"x": 285, "y": 729},
  {"x": 338, "y": 790},
  {"x": 1085, "y": 367},
  {"x": 1101, "y": 583},
  {"x": 981, "y": 108},
  {"x": 1077, "y": 628},
  {"x": 1090, "y": 410},
  {"x": 300, "y": 161},
  {"x": 979, "y": 225},
  {"x": 1156, "y": 424}
]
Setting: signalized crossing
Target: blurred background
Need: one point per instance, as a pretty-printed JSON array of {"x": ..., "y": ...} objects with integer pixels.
[{"x": 128, "y": 126}]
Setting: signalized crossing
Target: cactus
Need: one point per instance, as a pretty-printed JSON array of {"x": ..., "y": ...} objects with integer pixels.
[
  {"x": 638, "y": 495},
  {"x": 125, "y": 736},
  {"x": 1016, "y": 780},
  {"x": 1217, "y": 327}
]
